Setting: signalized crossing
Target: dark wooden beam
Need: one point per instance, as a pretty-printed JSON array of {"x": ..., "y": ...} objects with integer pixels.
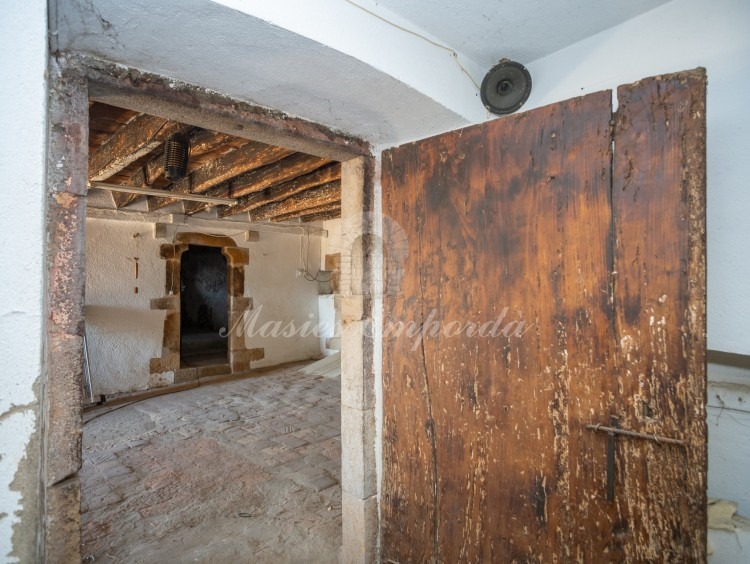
[
  {"x": 255, "y": 181},
  {"x": 333, "y": 206},
  {"x": 284, "y": 190},
  {"x": 250, "y": 156},
  {"x": 322, "y": 216},
  {"x": 137, "y": 138},
  {"x": 326, "y": 194},
  {"x": 280, "y": 171},
  {"x": 202, "y": 141}
]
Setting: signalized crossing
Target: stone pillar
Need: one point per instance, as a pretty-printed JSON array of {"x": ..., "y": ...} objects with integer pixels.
[
  {"x": 359, "y": 495},
  {"x": 67, "y": 170}
]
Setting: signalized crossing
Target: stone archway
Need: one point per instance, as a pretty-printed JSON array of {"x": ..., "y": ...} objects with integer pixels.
[{"x": 239, "y": 356}]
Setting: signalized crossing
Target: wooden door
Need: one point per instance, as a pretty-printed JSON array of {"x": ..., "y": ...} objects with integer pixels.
[{"x": 555, "y": 280}]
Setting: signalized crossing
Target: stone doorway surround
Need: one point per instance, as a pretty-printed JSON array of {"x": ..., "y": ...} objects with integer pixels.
[
  {"x": 73, "y": 80},
  {"x": 240, "y": 356}
]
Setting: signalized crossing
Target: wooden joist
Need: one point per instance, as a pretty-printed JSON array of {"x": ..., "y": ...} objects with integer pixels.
[
  {"x": 269, "y": 182},
  {"x": 137, "y": 138},
  {"x": 257, "y": 180},
  {"x": 325, "y": 208},
  {"x": 280, "y": 171},
  {"x": 315, "y": 197},
  {"x": 201, "y": 141},
  {"x": 250, "y": 156},
  {"x": 322, "y": 216},
  {"x": 284, "y": 190}
]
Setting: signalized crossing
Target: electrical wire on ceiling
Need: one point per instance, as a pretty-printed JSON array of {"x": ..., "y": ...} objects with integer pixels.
[{"x": 453, "y": 52}]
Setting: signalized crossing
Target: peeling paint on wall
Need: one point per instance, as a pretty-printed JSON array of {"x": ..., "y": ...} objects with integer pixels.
[{"x": 23, "y": 41}]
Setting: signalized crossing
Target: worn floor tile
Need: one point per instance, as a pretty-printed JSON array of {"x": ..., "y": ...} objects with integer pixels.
[{"x": 242, "y": 471}]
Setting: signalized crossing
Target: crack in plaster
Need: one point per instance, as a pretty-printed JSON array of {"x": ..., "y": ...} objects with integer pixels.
[{"x": 14, "y": 409}]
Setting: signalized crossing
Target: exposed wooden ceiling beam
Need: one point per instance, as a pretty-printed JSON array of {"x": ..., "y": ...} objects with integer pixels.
[
  {"x": 250, "y": 156},
  {"x": 280, "y": 171},
  {"x": 325, "y": 194},
  {"x": 333, "y": 206},
  {"x": 259, "y": 179},
  {"x": 322, "y": 216},
  {"x": 136, "y": 138},
  {"x": 284, "y": 190},
  {"x": 201, "y": 141}
]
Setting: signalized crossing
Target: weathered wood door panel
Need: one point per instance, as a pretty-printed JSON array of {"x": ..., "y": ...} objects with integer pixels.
[{"x": 552, "y": 282}]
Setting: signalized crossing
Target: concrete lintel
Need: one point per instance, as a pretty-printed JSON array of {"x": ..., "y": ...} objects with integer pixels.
[{"x": 147, "y": 92}]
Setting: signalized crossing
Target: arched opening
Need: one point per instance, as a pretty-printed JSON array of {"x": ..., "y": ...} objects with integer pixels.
[{"x": 204, "y": 306}]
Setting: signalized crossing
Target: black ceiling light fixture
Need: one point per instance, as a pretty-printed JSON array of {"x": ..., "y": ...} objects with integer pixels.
[
  {"x": 506, "y": 87},
  {"x": 176, "y": 153}
]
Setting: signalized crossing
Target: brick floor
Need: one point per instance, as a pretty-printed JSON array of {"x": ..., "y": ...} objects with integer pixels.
[{"x": 242, "y": 471}]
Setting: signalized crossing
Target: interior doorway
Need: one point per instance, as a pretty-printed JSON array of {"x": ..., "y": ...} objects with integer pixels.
[
  {"x": 204, "y": 306},
  {"x": 77, "y": 86}
]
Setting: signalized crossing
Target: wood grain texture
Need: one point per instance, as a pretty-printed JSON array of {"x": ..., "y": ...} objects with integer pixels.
[
  {"x": 308, "y": 199},
  {"x": 258, "y": 179},
  {"x": 250, "y": 156},
  {"x": 322, "y": 209},
  {"x": 137, "y": 138},
  {"x": 281, "y": 191},
  {"x": 486, "y": 457},
  {"x": 334, "y": 213},
  {"x": 201, "y": 141},
  {"x": 659, "y": 216}
]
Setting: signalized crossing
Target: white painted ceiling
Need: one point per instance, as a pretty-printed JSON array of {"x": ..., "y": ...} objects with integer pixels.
[
  {"x": 332, "y": 62},
  {"x": 207, "y": 44},
  {"x": 523, "y": 30}
]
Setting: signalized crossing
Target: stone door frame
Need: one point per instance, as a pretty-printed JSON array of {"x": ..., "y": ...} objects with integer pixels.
[
  {"x": 239, "y": 356},
  {"x": 73, "y": 80}
]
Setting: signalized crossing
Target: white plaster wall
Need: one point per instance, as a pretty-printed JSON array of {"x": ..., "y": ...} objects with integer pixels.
[
  {"x": 729, "y": 456},
  {"x": 124, "y": 333},
  {"x": 385, "y": 47},
  {"x": 272, "y": 281},
  {"x": 729, "y": 435},
  {"x": 23, "y": 91},
  {"x": 122, "y": 330}
]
